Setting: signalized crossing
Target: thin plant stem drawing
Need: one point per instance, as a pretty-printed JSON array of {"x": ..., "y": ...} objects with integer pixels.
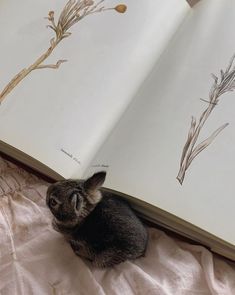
[
  {"x": 223, "y": 84},
  {"x": 73, "y": 12}
]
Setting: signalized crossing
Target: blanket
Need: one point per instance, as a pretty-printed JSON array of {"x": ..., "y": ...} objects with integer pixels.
[{"x": 36, "y": 260}]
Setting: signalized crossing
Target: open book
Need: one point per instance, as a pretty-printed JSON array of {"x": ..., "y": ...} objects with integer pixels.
[{"x": 135, "y": 98}]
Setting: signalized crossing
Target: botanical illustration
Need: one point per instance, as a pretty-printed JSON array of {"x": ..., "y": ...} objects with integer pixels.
[
  {"x": 223, "y": 84},
  {"x": 72, "y": 13}
]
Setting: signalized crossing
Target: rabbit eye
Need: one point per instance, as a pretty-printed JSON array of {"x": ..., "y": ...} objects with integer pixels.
[{"x": 53, "y": 202}]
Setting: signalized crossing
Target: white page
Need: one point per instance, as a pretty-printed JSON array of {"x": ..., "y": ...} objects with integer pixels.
[
  {"x": 72, "y": 109},
  {"x": 144, "y": 151}
]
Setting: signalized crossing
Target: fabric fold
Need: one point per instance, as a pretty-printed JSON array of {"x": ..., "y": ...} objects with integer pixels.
[{"x": 36, "y": 260}]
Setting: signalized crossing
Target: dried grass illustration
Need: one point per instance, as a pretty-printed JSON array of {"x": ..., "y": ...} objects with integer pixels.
[
  {"x": 222, "y": 85},
  {"x": 72, "y": 13}
]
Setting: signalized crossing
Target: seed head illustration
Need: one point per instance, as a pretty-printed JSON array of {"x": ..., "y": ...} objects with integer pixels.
[
  {"x": 223, "y": 84},
  {"x": 73, "y": 12}
]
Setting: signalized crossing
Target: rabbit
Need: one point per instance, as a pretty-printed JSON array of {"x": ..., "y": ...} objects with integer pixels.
[{"x": 99, "y": 226}]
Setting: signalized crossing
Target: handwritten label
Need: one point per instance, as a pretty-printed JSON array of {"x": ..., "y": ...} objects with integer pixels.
[
  {"x": 100, "y": 166},
  {"x": 70, "y": 156}
]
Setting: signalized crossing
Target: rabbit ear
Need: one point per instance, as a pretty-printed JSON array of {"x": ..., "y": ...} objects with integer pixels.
[{"x": 95, "y": 182}]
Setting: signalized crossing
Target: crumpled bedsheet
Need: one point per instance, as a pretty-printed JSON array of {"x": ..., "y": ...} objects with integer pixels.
[{"x": 36, "y": 260}]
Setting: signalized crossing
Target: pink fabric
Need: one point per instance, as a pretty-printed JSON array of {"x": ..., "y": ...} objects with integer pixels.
[{"x": 36, "y": 260}]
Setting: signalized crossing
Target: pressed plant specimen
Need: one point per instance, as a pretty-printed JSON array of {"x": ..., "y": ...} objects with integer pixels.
[
  {"x": 72, "y": 13},
  {"x": 223, "y": 84}
]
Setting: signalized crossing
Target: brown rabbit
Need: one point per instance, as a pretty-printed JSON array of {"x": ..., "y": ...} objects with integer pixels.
[{"x": 99, "y": 226}]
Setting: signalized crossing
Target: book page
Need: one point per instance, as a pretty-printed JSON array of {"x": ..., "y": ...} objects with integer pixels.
[
  {"x": 144, "y": 151},
  {"x": 61, "y": 116}
]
